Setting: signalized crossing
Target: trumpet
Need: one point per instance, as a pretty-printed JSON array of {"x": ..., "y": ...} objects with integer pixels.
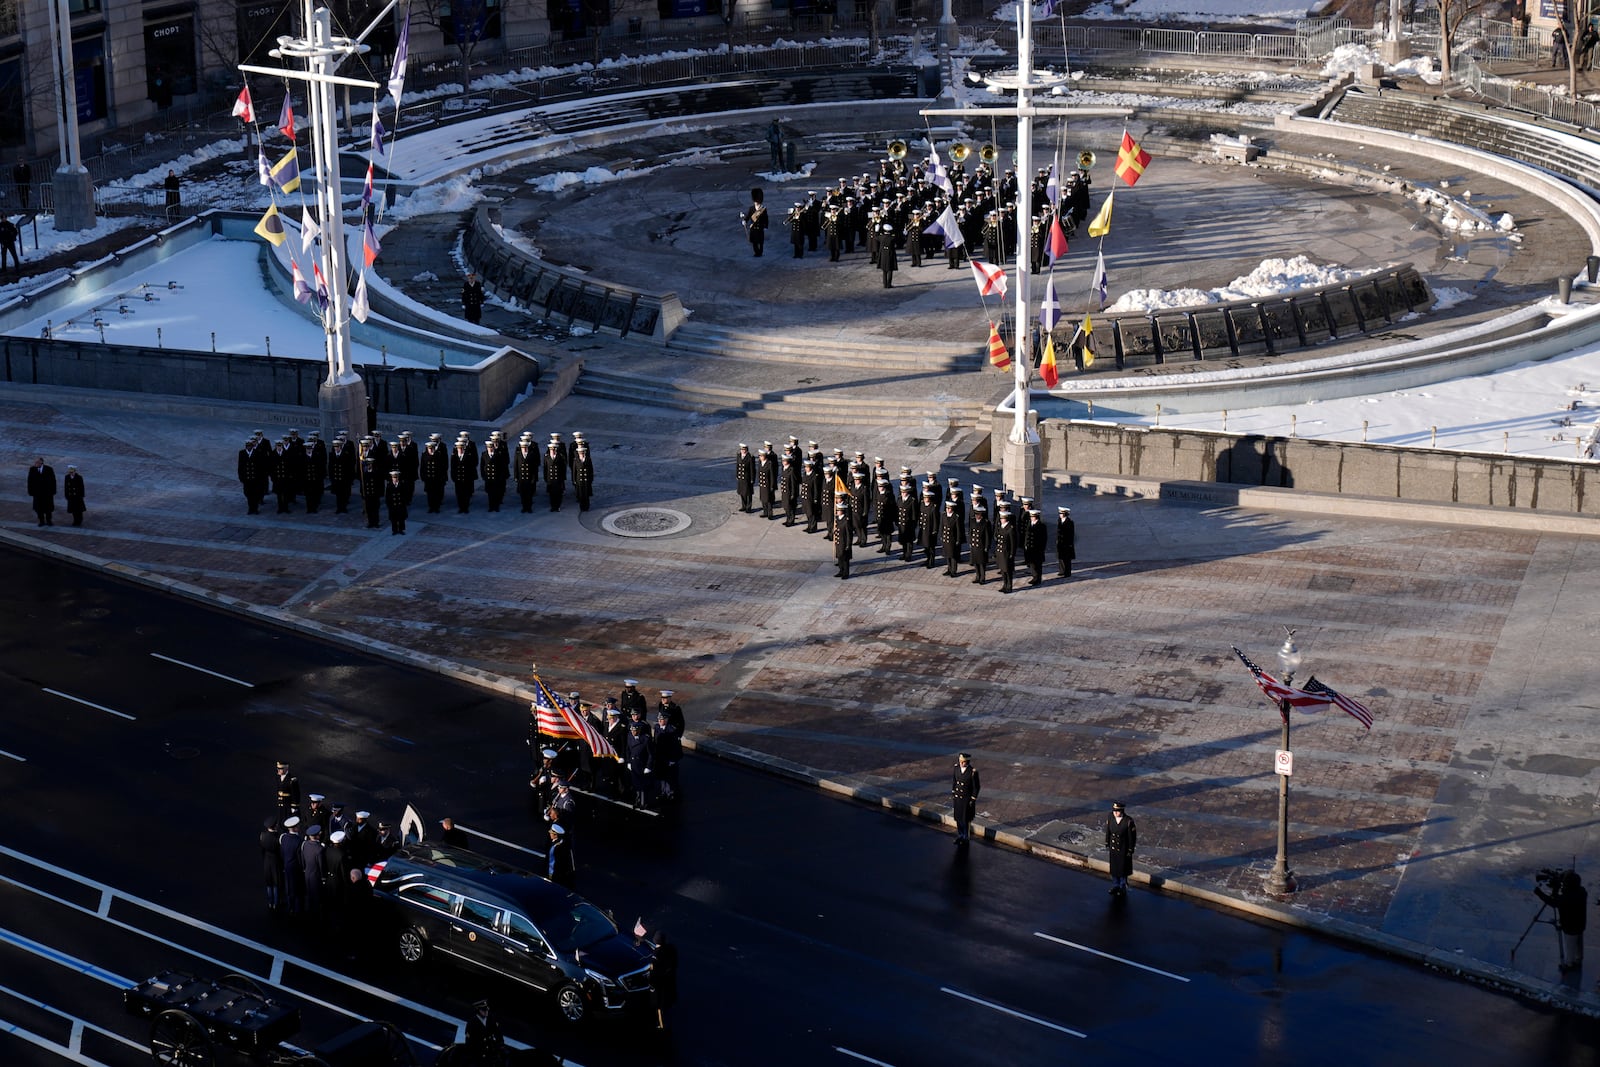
[
  {"x": 959, "y": 153},
  {"x": 898, "y": 149},
  {"x": 989, "y": 153},
  {"x": 1086, "y": 159}
]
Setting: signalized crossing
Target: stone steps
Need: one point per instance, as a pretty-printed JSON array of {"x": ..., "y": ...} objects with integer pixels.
[{"x": 816, "y": 350}]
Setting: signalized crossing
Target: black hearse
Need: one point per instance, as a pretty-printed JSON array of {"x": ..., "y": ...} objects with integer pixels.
[{"x": 462, "y": 907}]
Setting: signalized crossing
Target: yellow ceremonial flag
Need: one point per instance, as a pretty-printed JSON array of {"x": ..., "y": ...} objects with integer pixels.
[
  {"x": 1101, "y": 224},
  {"x": 1088, "y": 334},
  {"x": 286, "y": 172},
  {"x": 839, "y": 488},
  {"x": 270, "y": 228},
  {"x": 1047, "y": 366}
]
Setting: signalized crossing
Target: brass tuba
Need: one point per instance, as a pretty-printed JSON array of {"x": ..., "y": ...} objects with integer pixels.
[
  {"x": 989, "y": 153},
  {"x": 898, "y": 149},
  {"x": 959, "y": 153},
  {"x": 1086, "y": 159}
]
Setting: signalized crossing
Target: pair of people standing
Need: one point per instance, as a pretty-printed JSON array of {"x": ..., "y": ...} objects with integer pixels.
[{"x": 42, "y": 491}]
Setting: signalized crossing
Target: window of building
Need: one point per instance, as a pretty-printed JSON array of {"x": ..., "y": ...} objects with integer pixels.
[
  {"x": 259, "y": 25},
  {"x": 469, "y": 21},
  {"x": 13, "y": 109},
  {"x": 89, "y": 63},
  {"x": 171, "y": 63}
]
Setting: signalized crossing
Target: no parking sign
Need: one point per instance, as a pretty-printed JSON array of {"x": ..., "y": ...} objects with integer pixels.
[{"x": 1283, "y": 762}]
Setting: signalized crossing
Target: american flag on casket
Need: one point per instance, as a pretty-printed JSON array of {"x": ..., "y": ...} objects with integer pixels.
[{"x": 557, "y": 718}]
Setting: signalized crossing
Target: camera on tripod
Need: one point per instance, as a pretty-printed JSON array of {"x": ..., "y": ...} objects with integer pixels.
[{"x": 1549, "y": 879}]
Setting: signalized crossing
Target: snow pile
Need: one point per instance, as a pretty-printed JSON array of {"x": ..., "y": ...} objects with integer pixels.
[
  {"x": 1349, "y": 58},
  {"x": 457, "y": 194},
  {"x": 1272, "y": 278},
  {"x": 1266, "y": 13}
]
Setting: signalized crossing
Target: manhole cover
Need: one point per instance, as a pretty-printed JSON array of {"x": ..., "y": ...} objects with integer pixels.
[{"x": 645, "y": 522}]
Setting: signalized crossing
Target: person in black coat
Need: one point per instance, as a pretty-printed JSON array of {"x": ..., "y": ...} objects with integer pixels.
[
  {"x": 928, "y": 527},
  {"x": 373, "y": 490},
  {"x": 664, "y": 978},
  {"x": 744, "y": 476},
  {"x": 668, "y": 754},
  {"x": 842, "y": 539},
  {"x": 1034, "y": 539},
  {"x": 472, "y": 298},
  {"x": 755, "y": 221},
  {"x": 341, "y": 474},
  {"x": 72, "y": 488},
  {"x": 982, "y": 538},
  {"x": 789, "y": 488},
  {"x": 464, "y": 476},
  {"x": 906, "y": 517},
  {"x": 485, "y": 1043},
  {"x": 294, "y": 886},
  {"x": 555, "y": 474},
  {"x": 640, "y": 756},
  {"x": 559, "y": 865},
  {"x": 496, "y": 464},
  {"x": 767, "y": 478},
  {"x": 433, "y": 466},
  {"x": 314, "y": 866},
  {"x": 271, "y": 863},
  {"x": 1066, "y": 542},
  {"x": 395, "y": 497},
  {"x": 964, "y": 786},
  {"x": 1005, "y": 548},
  {"x": 1122, "y": 837},
  {"x": 42, "y": 490},
  {"x": 950, "y": 538},
  {"x": 255, "y": 473},
  {"x": 582, "y": 475}
]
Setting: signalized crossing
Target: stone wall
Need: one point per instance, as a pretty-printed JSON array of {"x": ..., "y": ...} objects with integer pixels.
[{"x": 1410, "y": 474}]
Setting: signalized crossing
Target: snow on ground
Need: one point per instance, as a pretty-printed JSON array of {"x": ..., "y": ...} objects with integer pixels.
[
  {"x": 1268, "y": 12},
  {"x": 1349, "y": 58},
  {"x": 1272, "y": 277},
  {"x": 180, "y": 297},
  {"x": 41, "y": 238}
]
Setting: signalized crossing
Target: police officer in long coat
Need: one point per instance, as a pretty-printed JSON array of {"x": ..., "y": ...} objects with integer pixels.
[
  {"x": 1122, "y": 838},
  {"x": 744, "y": 476},
  {"x": 1066, "y": 542}
]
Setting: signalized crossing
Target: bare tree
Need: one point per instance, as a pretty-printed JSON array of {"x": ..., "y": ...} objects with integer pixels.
[
  {"x": 1452, "y": 13},
  {"x": 463, "y": 24}
]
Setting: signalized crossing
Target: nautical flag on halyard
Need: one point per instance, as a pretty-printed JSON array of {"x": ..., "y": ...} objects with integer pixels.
[
  {"x": 1100, "y": 279},
  {"x": 1100, "y": 225},
  {"x": 359, "y": 307},
  {"x": 309, "y": 230},
  {"x": 302, "y": 289},
  {"x": 1047, "y": 366},
  {"x": 1346, "y": 704},
  {"x": 270, "y": 228},
  {"x": 243, "y": 109},
  {"x": 557, "y": 718},
  {"x": 1052, "y": 185},
  {"x": 1279, "y": 693},
  {"x": 377, "y": 134},
  {"x": 366, "y": 188},
  {"x": 286, "y": 172},
  {"x": 1050, "y": 308},
  {"x": 1058, "y": 240},
  {"x": 990, "y": 278},
  {"x": 263, "y": 169},
  {"x": 1131, "y": 159},
  {"x": 322, "y": 285},
  {"x": 997, "y": 349},
  {"x": 369, "y": 244},
  {"x": 397, "y": 72},
  {"x": 286, "y": 118},
  {"x": 1088, "y": 341},
  {"x": 947, "y": 226}
]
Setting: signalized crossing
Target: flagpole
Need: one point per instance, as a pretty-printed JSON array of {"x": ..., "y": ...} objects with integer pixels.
[{"x": 342, "y": 397}]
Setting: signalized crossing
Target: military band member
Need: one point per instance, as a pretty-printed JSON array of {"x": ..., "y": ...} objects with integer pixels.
[
  {"x": 1066, "y": 542},
  {"x": 755, "y": 221},
  {"x": 907, "y": 514},
  {"x": 887, "y": 260},
  {"x": 288, "y": 792},
  {"x": 796, "y": 221},
  {"x": 434, "y": 468}
]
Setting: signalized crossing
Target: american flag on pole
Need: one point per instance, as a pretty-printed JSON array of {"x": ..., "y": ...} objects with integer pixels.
[
  {"x": 1350, "y": 706},
  {"x": 1279, "y": 693},
  {"x": 557, "y": 718}
]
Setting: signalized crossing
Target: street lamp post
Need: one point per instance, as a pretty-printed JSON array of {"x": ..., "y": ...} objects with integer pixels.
[{"x": 1281, "y": 880}]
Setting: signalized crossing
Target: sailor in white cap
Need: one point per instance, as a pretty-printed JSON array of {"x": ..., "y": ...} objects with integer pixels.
[
  {"x": 630, "y": 699},
  {"x": 744, "y": 477},
  {"x": 767, "y": 478},
  {"x": 669, "y": 707},
  {"x": 1034, "y": 542},
  {"x": 558, "y": 863},
  {"x": 290, "y": 856},
  {"x": 980, "y": 536},
  {"x": 1066, "y": 541}
]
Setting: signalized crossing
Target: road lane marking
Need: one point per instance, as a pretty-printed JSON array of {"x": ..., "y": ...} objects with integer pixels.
[
  {"x": 1012, "y": 1012},
  {"x": 1109, "y": 956},
  {"x": 203, "y": 670},
  {"x": 501, "y": 841},
  {"x": 72, "y": 1052},
  {"x": 91, "y": 704},
  {"x": 13, "y": 755},
  {"x": 71, "y": 963},
  {"x": 619, "y": 803},
  {"x": 859, "y": 1056}
]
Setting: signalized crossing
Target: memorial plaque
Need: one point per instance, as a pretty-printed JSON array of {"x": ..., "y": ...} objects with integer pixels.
[
  {"x": 1249, "y": 333},
  {"x": 1211, "y": 331},
  {"x": 644, "y": 317},
  {"x": 561, "y": 298},
  {"x": 1369, "y": 304},
  {"x": 1176, "y": 334},
  {"x": 1342, "y": 312},
  {"x": 1394, "y": 297},
  {"x": 1418, "y": 295},
  {"x": 1136, "y": 343},
  {"x": 549, "y": 284},
  {"x": 1313, "y": 315},
  {"x": 587, "y": 305},
  {"x": 1282, "y": 332}
]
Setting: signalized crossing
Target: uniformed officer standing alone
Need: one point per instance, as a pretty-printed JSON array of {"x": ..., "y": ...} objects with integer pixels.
[
  {"x": 1122, "y": 837},
  {"x": 964, "y": 786}
]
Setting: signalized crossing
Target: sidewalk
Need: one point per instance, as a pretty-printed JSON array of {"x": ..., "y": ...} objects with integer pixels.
[{"x": 1470, "y": 642}]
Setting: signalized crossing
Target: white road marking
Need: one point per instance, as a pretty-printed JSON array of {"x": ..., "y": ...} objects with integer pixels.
[
  {"x": 859, "y": 1056},
  {"x": 203, "y": 670},
  {"x": 1109, "y": 956},
  {"x": 619, "y": 803},
  {"x": 91, "y": 704},
  {"x": 501, "y": 841},
  {"x": 13, "y": 755},
  {"x": 1011, "y": 1012}
]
